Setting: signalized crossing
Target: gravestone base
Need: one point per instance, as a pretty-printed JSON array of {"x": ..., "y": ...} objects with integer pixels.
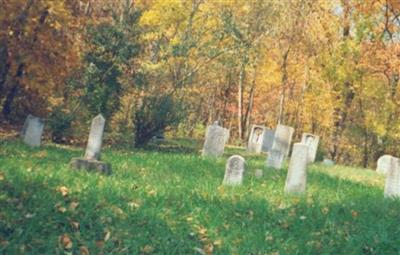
[{"x": 91, "y": 165}]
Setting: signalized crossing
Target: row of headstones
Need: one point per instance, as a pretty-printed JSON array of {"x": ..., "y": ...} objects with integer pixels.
[
  {"x": 32, "y": 135},
  {"x": 303, "y": 153}
]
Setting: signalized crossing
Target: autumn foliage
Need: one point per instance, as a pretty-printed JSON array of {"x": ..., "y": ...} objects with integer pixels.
[{"x": 326, "y": 67}]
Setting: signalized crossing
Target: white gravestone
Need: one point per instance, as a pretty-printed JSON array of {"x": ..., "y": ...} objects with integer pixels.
[
  {"x": 234, "y": 171},
  {"x": 32, "y": 130},
  {"x": 383, "y": 164},
  {"x": 227, "y": 135},
  {"x": 256, "y": 139},
  {"x": 282, "y": 139},
  {"x": 275, "y": 159},
  {"x": 214, "y": 143},
  {"x": 296, "y": 178},
  {"x": 312, "y": 141},
  {"x": 392, "y": 183},
  {"x": 91, "y": 162},
  {"x": 95, "y": 140},
  {"x": 268, "y": 140}
]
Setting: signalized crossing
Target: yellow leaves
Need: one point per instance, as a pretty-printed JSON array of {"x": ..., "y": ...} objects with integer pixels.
[
  {"x": 63, "y": 190},
  {"x": 147, "y": 249},
  {"x": 65, "y": 241}
]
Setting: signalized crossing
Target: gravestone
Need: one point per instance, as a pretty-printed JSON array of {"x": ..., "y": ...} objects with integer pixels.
[
  {"x": 312, "y": 141},
  {"x": 256, "y": 139},
  {"x": 282, "y": 139},
  {"x": 258, "y": 173},
  {"x": 227, "y": 135},
  {"x": 296, "y": 178},
  {"x": 392, "y": 183},
  {"x": 234, "y": 171},
  {"x": 32, "y": 131},
  {"x": 383, "y": 164},
  {"x": 268, "y": 140},
  {"x": 91, "y": 160},
  {"x": 275, "y": 159},
  {"x": 328, "y": 162},
  {"x": 215, "y": 139}
]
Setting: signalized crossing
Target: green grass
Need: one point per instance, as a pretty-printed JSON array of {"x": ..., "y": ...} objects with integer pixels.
[{"x": 169, "y": 200}]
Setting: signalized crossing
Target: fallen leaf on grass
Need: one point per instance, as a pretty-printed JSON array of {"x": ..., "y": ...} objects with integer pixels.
[
  {"x": 2, "y": 177},
  {"x": 63, "y": 190},
  {"x": 65, "y": 241},
  {"x": 84, "y": 250},
  {"x": 73, "y": 206},
  {"x": 107, "y": 236},
  {"x": 75, "y": 225},
  {"x": 354, "y": 214},
  {"x": 147, "y": 249}
]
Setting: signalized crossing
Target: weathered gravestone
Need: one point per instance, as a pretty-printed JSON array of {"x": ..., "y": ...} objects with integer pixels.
[
  {"x": 384, "y": 164},
  {"x": 258, "y": 173},
  {"x": 227, "y": 135},
  {"x": 214, "y": 143},
  {"x": 234, "y": 171},
  {"x": 275, "y": 159},
  {"x": 282, "y": 139},
  {"x": 32, "y": 131},
  {"x": 256, "y": 139},
  {"x": 91, "y": 160},
  {"x": 268, "y": 140},
  {"x": 392, "y": 183},
  {"x": 296, "y": 178},
  {"x": 328, "y": 162},
  {"x": 312, "y": 141}
]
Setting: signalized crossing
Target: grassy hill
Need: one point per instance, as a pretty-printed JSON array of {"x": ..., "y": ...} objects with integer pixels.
[{"x": 169, "y": 200}]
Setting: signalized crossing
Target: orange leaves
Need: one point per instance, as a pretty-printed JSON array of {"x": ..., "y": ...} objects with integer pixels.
[{"x": 65, "y": 241}]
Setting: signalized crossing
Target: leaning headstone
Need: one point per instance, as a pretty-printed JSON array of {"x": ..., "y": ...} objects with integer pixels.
[
  {"x": 268, "y": 140},
  {"x": 214, "y": 143},
  {"x": 282, "y": 139},
  {"x": 258, "y": 173},
  {"x": 383, "y": 164},
  {"x": 275, "y": 159},
  {"x": 256, "y": 139},
  {"x": 296, "y": 178},
  {"x": 312, "y": 141},
  {"x": 234, "y": 171},
  {"x": 91, "y": 160},
  {"x": 392, "y": 183},
  {"x": 32, "y": 131}
]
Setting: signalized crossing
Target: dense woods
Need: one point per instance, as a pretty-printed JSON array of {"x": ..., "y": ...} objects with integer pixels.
[{"x": 326, "y": 67}]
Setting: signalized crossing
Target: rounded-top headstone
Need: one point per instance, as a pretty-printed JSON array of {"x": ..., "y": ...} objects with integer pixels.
[
  {"x": 234, "y": 170},
  {"x": 383, "y": 164},
  {"x": 95, "y": 140}
]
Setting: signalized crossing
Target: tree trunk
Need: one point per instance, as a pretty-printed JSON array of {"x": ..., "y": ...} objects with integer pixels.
[
  {"x": 240, "y": 101},
  {"x": 283, "y": 85},
  {"x": 4, "y": 65},
  {"x": 7, "y": 106}
]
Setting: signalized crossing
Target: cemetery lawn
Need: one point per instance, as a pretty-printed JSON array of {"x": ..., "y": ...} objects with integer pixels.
[{"x": 169, "y": 200}]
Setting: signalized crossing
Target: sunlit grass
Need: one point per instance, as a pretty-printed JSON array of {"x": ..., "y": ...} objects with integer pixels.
[{"x": 169, "y": 200}]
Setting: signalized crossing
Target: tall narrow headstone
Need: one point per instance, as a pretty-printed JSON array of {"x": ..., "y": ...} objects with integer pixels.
[
  {"x": 215, "y": 139},
  {"x": 312, "y": 141},
  {"x": 227, "y": 135},
  {"x": 256, "y": 139},
  {"x": 234, "y": 171},
  {"x": 384, "y": 164},
  {"x": 95, "y": 140},
  {"x": 268, "y": 140},
  {"x": 282, "y": 139},
  {"x": 275, "y": 159},
  {"x": 32, "y": 131},
  {"x": 91, "y": 160},
  {"x": 392, "y": 183},
  {"x": 296, "y": 178}
]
